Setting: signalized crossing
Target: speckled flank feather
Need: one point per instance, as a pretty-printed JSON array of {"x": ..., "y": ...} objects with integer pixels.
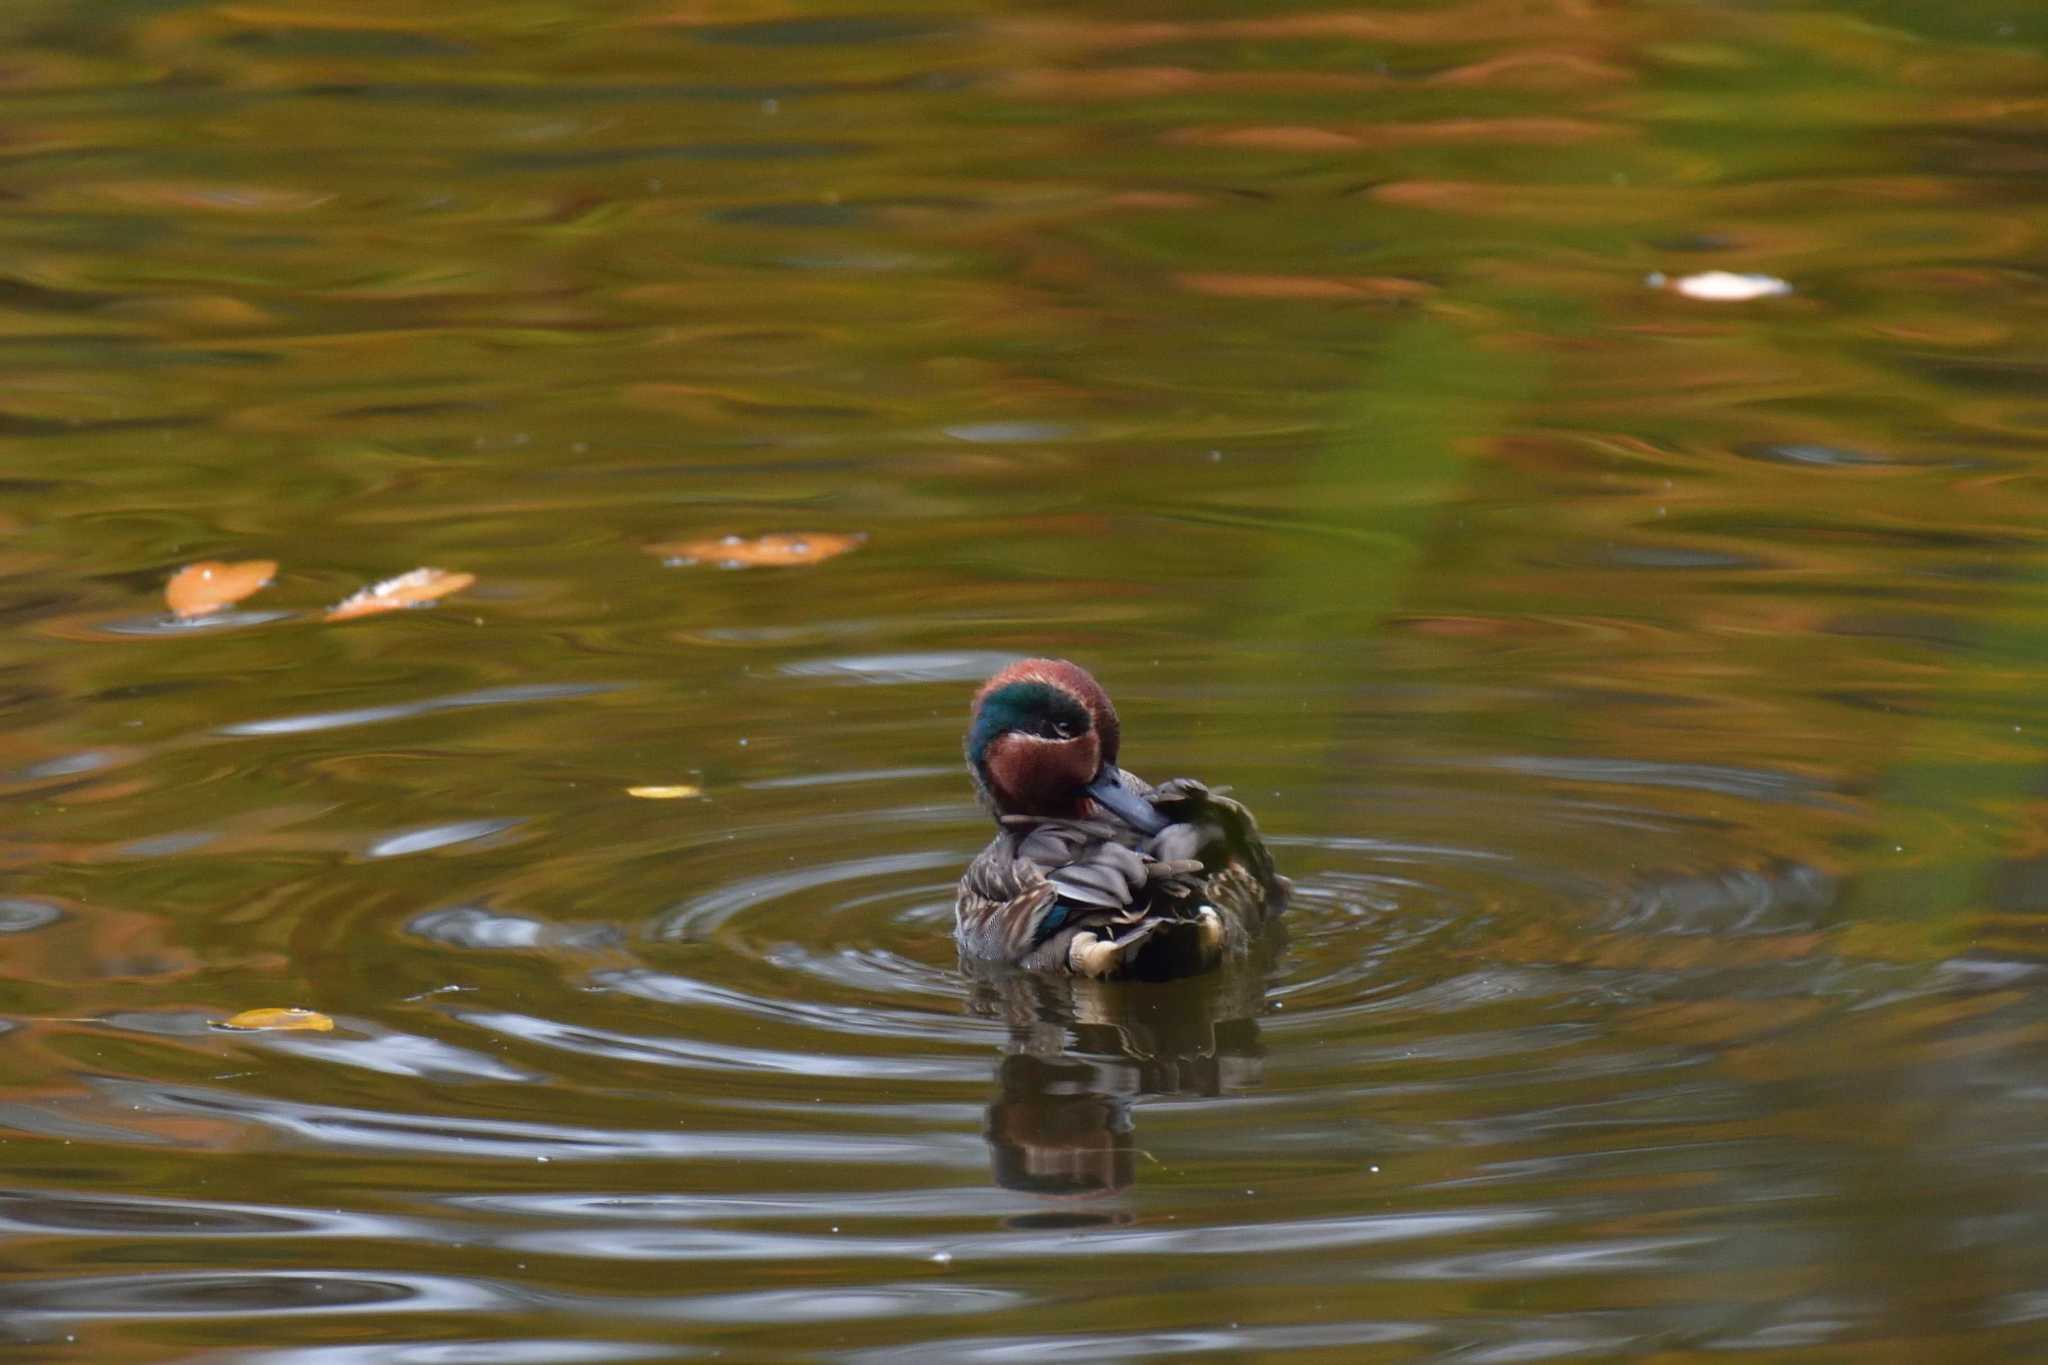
[{"x": 1066, "y": 885}]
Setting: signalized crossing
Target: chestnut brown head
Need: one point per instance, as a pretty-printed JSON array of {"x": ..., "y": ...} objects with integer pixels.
[{"x": 1043, "y": 741}]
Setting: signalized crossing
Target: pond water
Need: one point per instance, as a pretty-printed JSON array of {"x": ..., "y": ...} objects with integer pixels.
[{"x": 1645, "y": 691}]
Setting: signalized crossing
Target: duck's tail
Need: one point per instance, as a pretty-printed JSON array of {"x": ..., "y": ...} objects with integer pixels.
[{"x": 1154, "y": 949}]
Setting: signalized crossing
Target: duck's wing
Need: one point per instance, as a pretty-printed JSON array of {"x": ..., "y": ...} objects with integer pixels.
[
  {"x": 1055, "y": 893},
  {"x": 1000, "y": 903},
  {"x": 1237, "y": 868}
]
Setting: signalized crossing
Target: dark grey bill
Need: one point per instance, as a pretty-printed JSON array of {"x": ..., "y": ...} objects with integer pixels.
[{"x": 1112, "y": 795}]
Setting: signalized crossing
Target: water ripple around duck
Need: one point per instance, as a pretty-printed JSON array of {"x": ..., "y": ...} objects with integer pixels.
[{"x": 571, "y": 1091}]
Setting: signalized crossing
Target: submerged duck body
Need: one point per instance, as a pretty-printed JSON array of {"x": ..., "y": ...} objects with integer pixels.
[{"x": 1092, "y": 870}]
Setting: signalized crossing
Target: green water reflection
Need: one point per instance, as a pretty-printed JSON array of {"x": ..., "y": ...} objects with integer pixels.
[{"x": 1642, "y": 690}]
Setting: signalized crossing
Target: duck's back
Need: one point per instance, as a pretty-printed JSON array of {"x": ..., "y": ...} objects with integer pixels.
[
  {"x": 1040, "y": 882},
  {"x": 1202, "y": 888}
]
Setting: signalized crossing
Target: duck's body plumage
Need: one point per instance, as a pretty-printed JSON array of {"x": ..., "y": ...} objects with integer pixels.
[{"x": 1093, "y": 871}]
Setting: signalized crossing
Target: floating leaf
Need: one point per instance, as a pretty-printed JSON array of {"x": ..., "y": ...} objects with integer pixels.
[
  {"x": 781, "y": 549},
  {"x": 216, "y": 198},
  {"x": 1722, "y": 286},
  {"x": 1304, "y": 286},
  {"x": 206, "y": 587},
  {"x": 275, "y": 1020},
  {"x": 318, "y": 18},
  {"x": 420, "y": 588},
  {"x": 675, "y": 793}
]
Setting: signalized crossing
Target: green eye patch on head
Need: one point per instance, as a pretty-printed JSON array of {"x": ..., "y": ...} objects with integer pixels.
[{"x": 1027, "y": 707}]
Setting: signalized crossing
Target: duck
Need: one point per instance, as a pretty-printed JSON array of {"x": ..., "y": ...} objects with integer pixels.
[{"x": 1093, "y": 871}]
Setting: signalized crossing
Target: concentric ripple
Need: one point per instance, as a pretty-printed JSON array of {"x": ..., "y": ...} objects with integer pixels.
[
  {"x": 1641, "y": 690},
  {"x": 755, "y": 1048}
]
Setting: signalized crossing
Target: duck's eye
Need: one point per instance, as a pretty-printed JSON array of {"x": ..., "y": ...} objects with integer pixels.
[{"x": 1062, "y": 730}]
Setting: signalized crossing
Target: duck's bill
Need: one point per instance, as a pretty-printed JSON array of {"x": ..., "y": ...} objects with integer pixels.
[{"x": 1109, "y": 792}]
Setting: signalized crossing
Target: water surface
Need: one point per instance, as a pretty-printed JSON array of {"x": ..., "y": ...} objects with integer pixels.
[{"x": 1643, "y": 690}]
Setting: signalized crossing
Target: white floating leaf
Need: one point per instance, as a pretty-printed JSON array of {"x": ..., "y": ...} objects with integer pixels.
[{"x": 1722, "y": 286}]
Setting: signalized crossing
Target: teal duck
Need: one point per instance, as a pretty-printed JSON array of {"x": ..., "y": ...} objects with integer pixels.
[{"x": 1092, "y": 871}]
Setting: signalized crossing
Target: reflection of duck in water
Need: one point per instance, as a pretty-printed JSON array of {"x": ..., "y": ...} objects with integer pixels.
[
  {"x": 1080, "y": 1053},
  {"x": 1093, "y": 871}
]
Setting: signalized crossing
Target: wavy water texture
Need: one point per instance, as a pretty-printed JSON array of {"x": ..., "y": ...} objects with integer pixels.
[{"x": 1640, "y": 688}]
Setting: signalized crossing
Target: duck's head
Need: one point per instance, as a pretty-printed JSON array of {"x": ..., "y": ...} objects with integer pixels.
[{"x": 1042, "y": 741}]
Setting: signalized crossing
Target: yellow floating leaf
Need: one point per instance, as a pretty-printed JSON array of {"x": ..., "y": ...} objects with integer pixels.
[
  {"x": 675, "y": 793},
  {"x": 198, "y": 589},
  {"x": 275, "y": 1020},
  {"x": 782, "y": 549},
  {"x": 215, "y": 198},
  {"x": 420, "y": 588},
  {"x": 315, "y": 18}
]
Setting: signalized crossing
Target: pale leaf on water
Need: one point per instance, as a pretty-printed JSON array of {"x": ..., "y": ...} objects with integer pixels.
[
  {"x": 777, "y": 550},
  {"x": 675, "y": 793},
  {"x": 202, "y": 588},
  {"x": 420, "y": 588},
  {"x": 334, "y": 18},
  {"x": 273, "y": 1019},
  {"x": 1722, "y": 286}
]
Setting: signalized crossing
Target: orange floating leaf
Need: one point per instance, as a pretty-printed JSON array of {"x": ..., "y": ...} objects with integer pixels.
[
  {"x": 420, "y": 588},
  {"x": 1283, "y": 139},
  {"x": 202, "y": 588},
  {"x": 1303, "y": 286},
  {"x": 782, "y": 549},
  {"x": 275, "y": 1020}
]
